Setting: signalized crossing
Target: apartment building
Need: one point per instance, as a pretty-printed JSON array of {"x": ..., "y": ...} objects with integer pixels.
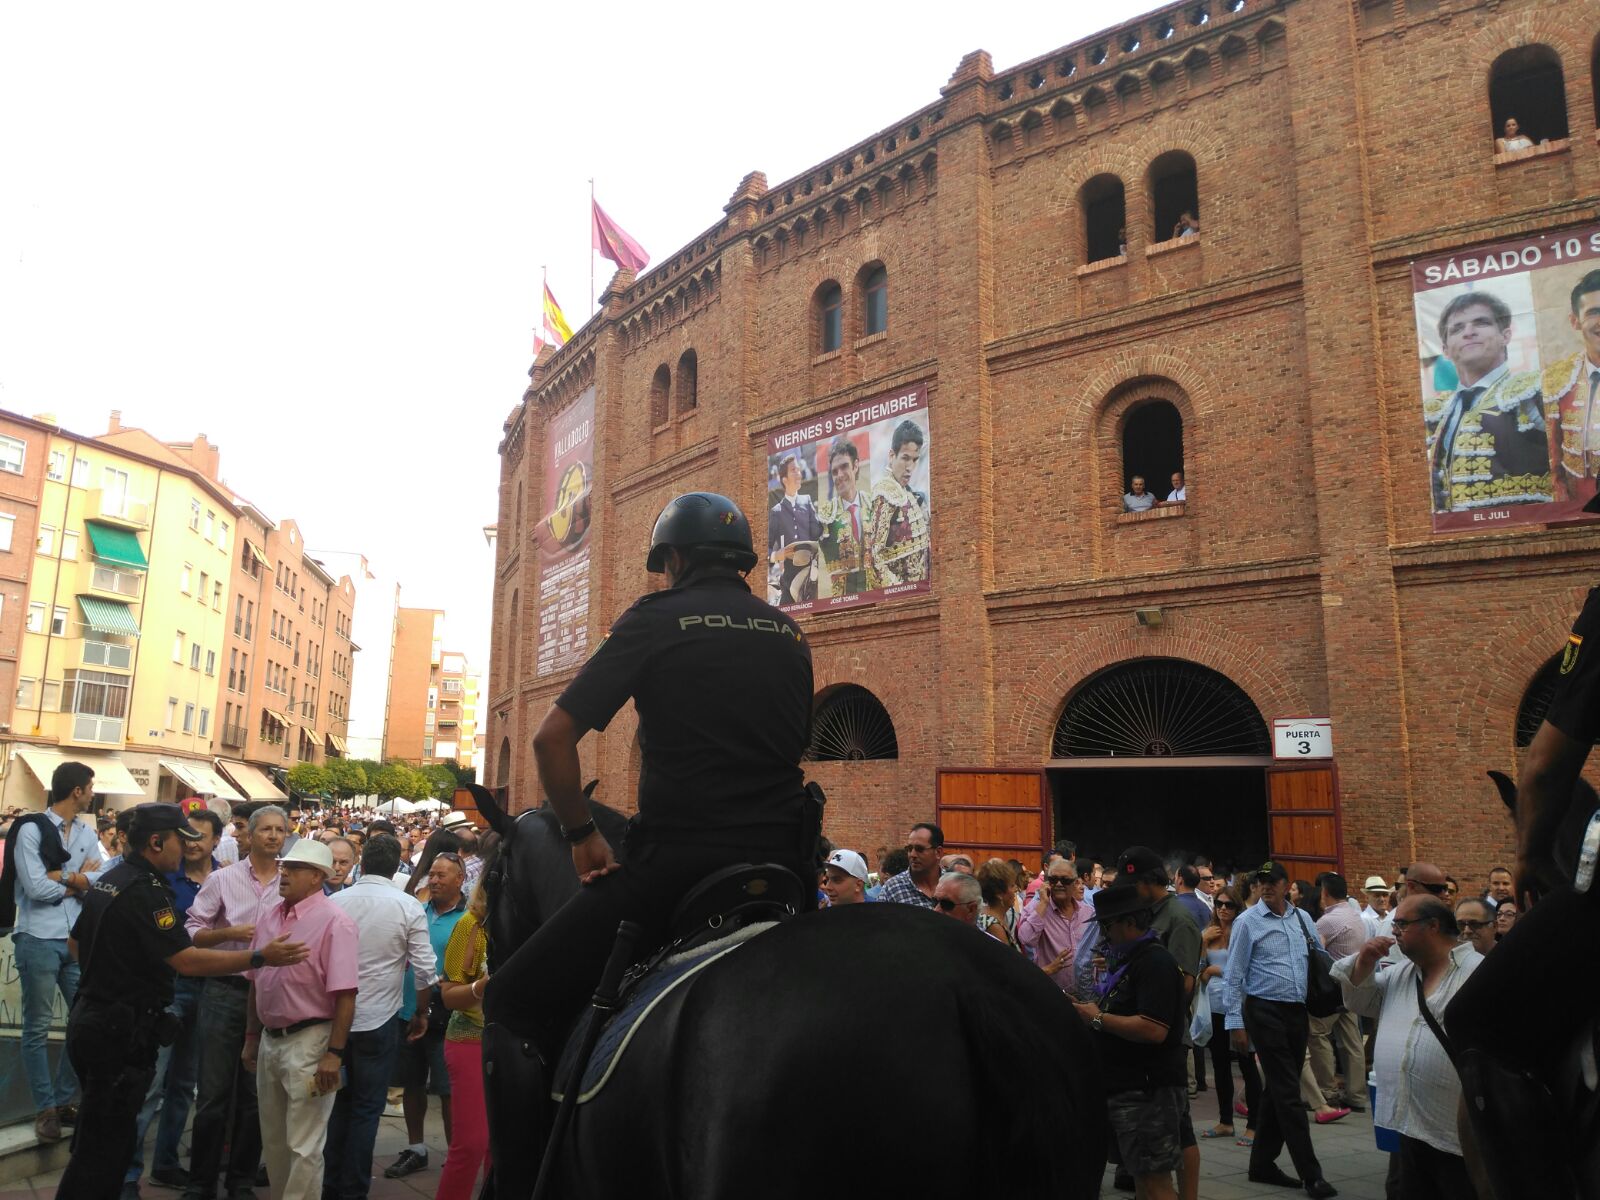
[
  {"x": 22, "y": 458},
  {"x": 423, "y": 716}
]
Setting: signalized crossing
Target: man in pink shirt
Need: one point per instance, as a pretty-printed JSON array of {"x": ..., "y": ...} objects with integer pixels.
[
  {"x": 299, "y": 1022},
  {"x": 1053, "y": 925}
]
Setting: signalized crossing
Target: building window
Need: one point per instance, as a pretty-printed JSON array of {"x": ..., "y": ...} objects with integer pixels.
[
  {"x": 205, "y": 586},
  {"x": 58, "y": 622},
  {"x": 177, "y": 647},
  {"x": 8, "y": 529},
  {"x": 69, "y": 545},
  {"x": 211, "y": 525},
  {"x": 172, "y": 712},
  {"x": 222, "y": 535},
  {"x": 688, "y": 382},
  {"x": 194, "y": 515},
  {"x": 1105, "y": 218},
  {"x": 1174, "y": 196},
  {"x": 211, "y": 662},
  {"x": 830, "y": 317},
  {"x": 874, "y": 300},
  {"x": 183, "y": 578},
  {"x": 244, "y": 671},
  {"x": 80, "y": 472},
  {"x": 233, "y": 670},
  {"x": 58, "y": 466},
  {"x": 99, "y": 701},
  {"x": 249, "y": 620},
  {"x": 194, "y": 656},
  {"x": 1526, "y": 86},
  {"x": 36, "y": 618},
  {"x": 216, "y": 596},
  {"x": 660, "y": 394},
  {"x": 46, "y": 541},
  {"x": 1152, "y": 447},
  {"x": 12, "y": 453},
  {"x": 850, "y": 724},
  {"x": 205, "y": 722},
  {"x": 188, "y": 718},
  {"x": 25, "y": 692}
]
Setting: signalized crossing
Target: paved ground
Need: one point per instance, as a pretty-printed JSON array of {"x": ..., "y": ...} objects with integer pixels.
[{"x": 1349, "y": 1159}]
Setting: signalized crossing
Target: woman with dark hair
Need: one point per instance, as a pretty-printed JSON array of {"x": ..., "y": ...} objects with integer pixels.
[
  {"x": 1214, "y": 939},
  {"x": 440, "y": 841},
  {"x": 1306, "y": 898},
  {"x": 1505, "y": 916},
  {"x": 997, "y": 916}
]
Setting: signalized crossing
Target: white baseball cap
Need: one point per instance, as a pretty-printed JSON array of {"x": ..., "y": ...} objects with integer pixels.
[
  {"x": 850, "y": 863},
  {"x": 312, "y": 853}
]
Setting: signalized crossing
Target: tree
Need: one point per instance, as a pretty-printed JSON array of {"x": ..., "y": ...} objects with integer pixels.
[
  {"x": 422, "y": 787},
  {"x": 392, "y": 779},
  {"x": 310, "y": 780},
  {"x": 441, "y": 781},
  {"x": 348, "y": 778}
]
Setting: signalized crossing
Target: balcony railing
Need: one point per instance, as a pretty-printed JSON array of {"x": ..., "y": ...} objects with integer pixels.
[
  {"x": 107, "y": 654},
  {"x": 117, "y": 583},
  {"x": 118, "y": 509},
  {"x": 233, "y": 736},
  {"x": 89, "y": 728}
]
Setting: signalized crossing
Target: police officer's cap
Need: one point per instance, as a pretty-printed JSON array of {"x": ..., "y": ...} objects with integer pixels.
[
  {"x": 158, "y": 818},
  {"x": 707, "y": 523}
]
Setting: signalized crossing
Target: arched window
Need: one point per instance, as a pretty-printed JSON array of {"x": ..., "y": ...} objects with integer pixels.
[
  {"x": 1105, "y": 218},
  {"x": 502, "y": 764},
  {"x": 660, "y": 393},
  {"x": 1526, "y": 86},
  {"x": 1152, "y": 446},
  {"x": 830, "y": 317},
  {"x": 1233, "y": 54},
  {"x": 1197, "y": 66},
  {"x": 1174, "y": 193},
  {"x": 513, "y": 623},
  {"x": 688, "y": 382},
  {"x": 1159, "y": 708},
  {"x": 874, "y": 299},
  {"x": 1536, "y": 702},
  {"x": 848, "y": 724}
]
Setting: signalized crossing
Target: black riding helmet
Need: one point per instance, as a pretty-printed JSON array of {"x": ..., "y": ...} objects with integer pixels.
[{"x": 708, "y": 527}]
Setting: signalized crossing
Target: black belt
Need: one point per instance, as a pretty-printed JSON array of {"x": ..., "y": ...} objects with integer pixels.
[
  {"x": 298, "y": 1026},
  {"x": 238, "y": 981}
]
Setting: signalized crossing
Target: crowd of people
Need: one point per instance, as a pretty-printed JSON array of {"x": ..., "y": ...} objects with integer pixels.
[
  {"x": 347, "y": 971},
  {"x": 1174, "y": 963}
]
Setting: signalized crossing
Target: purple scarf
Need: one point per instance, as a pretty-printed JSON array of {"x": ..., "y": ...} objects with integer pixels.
[{"x": 1119, "y": 959}]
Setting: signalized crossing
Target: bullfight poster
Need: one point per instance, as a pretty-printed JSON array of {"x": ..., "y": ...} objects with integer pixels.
[
  {"x": 1508, "y": 338},
  {"x": 849, "y": 508},
  {"x": 563, "y": 538}
]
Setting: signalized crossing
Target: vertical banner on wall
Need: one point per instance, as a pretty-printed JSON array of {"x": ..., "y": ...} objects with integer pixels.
[
  {"x": 1508, "y": 337},
  {"x": 849, "y": 516},
  {"x": 563, "y": 539}
]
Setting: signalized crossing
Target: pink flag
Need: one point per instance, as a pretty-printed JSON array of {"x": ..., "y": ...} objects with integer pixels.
[{"x": 615, "y": 244}]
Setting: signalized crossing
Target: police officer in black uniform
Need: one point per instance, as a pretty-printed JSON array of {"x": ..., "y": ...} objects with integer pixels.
[
  {"x": 1523, "y": 1007},
  {"x": 722, "y": 685},
  {"x": 131, "y": 945}
]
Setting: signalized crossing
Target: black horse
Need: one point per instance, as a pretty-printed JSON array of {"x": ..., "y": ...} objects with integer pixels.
[{"x": 823, "y": 1053}]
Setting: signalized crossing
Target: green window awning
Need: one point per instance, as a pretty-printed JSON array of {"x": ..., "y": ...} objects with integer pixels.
[
  {"x": 107, "y": 616},
  {"x": 116, "y": 547}
]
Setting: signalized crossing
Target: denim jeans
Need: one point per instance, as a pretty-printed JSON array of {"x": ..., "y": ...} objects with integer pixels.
[
  {"x": 44, "y": 967},
  {"x": 357, "y": 1108},
  {"x": 225, "y": 1088},
  {"x": 172, "y": 1089}
]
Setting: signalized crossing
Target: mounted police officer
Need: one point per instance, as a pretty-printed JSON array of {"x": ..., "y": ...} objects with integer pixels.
[
  {"x": 722, "y": 685},
  {"x": 131, "y": 946}
]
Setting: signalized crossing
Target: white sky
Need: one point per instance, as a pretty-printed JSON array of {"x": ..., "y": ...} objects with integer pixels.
[{"x": 314, "y": 232}]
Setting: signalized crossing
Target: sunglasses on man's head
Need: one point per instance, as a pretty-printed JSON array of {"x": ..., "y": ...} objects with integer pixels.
[{"x": 448, "y": 856}]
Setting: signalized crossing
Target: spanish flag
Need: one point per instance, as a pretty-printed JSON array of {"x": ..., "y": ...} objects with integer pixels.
[{"x": 555, "y": 321}]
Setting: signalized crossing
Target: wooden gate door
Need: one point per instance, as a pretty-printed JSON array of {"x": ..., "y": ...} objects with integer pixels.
[
  {"x": 989, "y": 813},
  {"x": 1303, "y": 816}
]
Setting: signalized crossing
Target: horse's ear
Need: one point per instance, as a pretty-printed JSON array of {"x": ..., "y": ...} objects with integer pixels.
[
  {"x": 1508, "y": 788},
  {"x": 490, "y": 808},
  {"x": 588, "y": 789}
]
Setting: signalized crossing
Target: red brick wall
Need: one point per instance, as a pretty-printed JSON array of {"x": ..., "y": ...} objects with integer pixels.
[{"x": 1332, "y": 144}]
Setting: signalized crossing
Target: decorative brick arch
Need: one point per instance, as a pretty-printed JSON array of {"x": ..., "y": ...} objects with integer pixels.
[
  {"x": 1574, "y": 46},
  {"x": 1026, "y": 733},
  {"x": 1128, "y": 366},
  {"x": 1487, "y": 715}
]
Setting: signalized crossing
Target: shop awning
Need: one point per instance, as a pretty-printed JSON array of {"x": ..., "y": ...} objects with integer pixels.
[
  {"x": 277, "y": 716},
  {"x": 110, "y": 776},
  {"x": 260, "y": 555},
  {"x": 116, "y": 547},
  {"x": 200, "y": 778},
  {"x": 337, "y": 742},
  {"x": 108, "y": 616},
  {"x": 252, "y": 781}
]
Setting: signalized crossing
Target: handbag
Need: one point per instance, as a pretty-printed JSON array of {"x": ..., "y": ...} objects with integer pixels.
[
  {"x": 1200, "y": 1023},
  {"x": 1323, "y": 994}
]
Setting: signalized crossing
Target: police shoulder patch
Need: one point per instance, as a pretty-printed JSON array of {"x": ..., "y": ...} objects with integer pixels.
[
  {"x": 165, "y": 918},
  {"x": 1569, "y": 656}
]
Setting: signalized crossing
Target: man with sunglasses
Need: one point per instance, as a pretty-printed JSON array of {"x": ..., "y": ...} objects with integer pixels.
[
  {"x": 1057, "y": 923},
  {"x": 1139, "y": 1013},
  {"x": 916, "y": 884},
  {"x": 1475, "y": 919},
  {"x": 957, "y": 895}
]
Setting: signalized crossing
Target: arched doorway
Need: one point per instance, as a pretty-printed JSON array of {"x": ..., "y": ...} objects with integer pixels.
[{"x": 1165, "y": 753}]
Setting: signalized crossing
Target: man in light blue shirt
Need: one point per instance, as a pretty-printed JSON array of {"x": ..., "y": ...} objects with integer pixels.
[
  {"x": 1265, "y": 983},
  {"x": 48, "y": 902}
]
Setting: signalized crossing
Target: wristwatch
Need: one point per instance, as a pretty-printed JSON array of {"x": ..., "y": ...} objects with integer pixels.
[
  {"x": 1098, "y": 1023},
  {"x": 257, "y": 960},
  {"x": 336, "y": 1051},
  {"x": 578, "y": 832}
]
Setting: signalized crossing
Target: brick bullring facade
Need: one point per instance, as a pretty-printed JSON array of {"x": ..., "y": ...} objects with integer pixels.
[{"x": 1325, "y": 144}]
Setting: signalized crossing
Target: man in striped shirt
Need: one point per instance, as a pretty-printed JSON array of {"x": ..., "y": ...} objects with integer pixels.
[
  {"x": 915, "y": 885},
  {"x": 224, "y": 916}
]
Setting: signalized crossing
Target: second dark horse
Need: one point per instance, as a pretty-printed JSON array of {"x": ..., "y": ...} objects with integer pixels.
[{"x": 835, "y": 1050}]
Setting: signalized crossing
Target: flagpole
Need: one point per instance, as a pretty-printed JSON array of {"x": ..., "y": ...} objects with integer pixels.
[
  {"x": 591, "y": 247},
  {"x": 544, "y": 290}
]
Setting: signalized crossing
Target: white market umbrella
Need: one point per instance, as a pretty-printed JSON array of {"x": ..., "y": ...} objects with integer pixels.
[
  {"x": 430, "y": 805},
  {"x": 399, "y": 805}
]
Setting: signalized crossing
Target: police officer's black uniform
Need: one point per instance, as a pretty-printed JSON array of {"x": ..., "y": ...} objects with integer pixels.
[
  {"x": 722, "y": 684},
  {"x": 129, "y": 927}
]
